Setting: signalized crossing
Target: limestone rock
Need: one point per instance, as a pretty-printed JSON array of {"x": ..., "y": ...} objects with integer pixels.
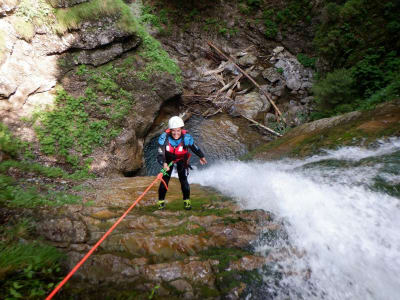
[
  {"x": 271, "y": 75},
  {"x": 199, "y": 271},
  {"x": 98, "y": 33},
  {"x": 103, "y": 55},
  {"x": 251, "y": 104},
  {"x": 247, "y": 60},
  {"x": 248, "y": 263},
  {"x": 63, "y": 230},
  {"x": 7, "y": 6},
  {"x": 296, "y": 76}
]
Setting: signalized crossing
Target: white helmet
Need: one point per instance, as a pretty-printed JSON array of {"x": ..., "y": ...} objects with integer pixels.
[{"x": 175, "y": 122}]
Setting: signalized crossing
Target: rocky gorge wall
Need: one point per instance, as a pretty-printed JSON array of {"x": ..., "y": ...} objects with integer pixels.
[{"x": 96, "y": 52}]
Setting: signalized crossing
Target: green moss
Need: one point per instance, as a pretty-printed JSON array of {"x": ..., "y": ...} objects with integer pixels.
[
  {"x": 73, "y": 17},
  {"x": 206, "y": 292},
  {"x": 182, "y": 229},
  {"x": 24, "y": 29},
  {"x": 158, "y": 59},
  {"x": 223, "y": 255}
]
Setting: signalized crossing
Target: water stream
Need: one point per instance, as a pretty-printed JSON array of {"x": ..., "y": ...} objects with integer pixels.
[{"x": 341, "y": 216}]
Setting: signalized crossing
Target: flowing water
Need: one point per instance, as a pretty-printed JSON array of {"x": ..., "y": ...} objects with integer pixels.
[{"x": 341, "y": 216}]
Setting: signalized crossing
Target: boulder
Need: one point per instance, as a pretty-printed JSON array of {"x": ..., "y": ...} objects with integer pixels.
[
  {"x": 247, "y": 60},
  {"x": 271, "y": 75},
  {"x": 7, "y": 6},
  {"x": 295, "y": 74},
  {"x": 63, "y": 230},
  {"x": 250, "y": 104}
]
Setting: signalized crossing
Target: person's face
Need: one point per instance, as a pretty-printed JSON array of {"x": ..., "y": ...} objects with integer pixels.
[{"x": 176, "y": 133}]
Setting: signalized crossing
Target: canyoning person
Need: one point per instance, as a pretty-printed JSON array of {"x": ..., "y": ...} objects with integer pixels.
[{"x": 174, "y": 145}]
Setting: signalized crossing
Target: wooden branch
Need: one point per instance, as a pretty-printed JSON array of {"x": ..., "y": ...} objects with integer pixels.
[
  {"x": 216, "y": 71},
  {"x": 262, "y": 126},
  {"x": 242, "y": 92},
  {"x": 250, "y": 78},
  {"x": 228, "y": 85}
]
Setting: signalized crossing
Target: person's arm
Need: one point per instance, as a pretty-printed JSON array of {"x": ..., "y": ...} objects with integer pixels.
[
  {"x": 195, "y": 149},
  {"x": 161, "y": 149}
]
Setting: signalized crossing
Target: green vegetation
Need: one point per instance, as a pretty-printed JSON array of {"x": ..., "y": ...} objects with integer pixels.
[
  {"x": 72, "y": 17},
  {"x": 151, "y": 49},
  {"x": 306, "y": 61},
  {"x": 220, "y": 26},
  {"x": 30, "y": 14},
  {"x": 223, "y": 255},
  {"x": 280, "y": 18},
  {"x": 183, "y": 229},
  {"x": 28, "y": 269},
  {"x": 360, "y": 40},
  {"x": 160, "y": 20},
  {"x": 78, "y": 125},
  {"x": 15, "y": 193}
]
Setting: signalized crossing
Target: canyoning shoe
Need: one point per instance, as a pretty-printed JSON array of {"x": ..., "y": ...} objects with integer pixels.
[
  {"x": 187, "y": 205},
  {"x": 161, "y": 204}
]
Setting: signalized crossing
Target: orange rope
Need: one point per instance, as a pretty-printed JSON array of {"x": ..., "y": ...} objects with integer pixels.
[{"x": 79, "y": 264}]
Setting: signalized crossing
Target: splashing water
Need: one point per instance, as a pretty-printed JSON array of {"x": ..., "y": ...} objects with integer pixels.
[{"x": 340, "y": 209}]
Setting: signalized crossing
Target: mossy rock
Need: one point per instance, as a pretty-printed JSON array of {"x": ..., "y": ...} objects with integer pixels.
[{"x": 351, "y": 129}]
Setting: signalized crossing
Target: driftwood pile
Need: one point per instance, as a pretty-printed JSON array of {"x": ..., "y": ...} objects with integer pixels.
[{"x": 222, "y": 98}]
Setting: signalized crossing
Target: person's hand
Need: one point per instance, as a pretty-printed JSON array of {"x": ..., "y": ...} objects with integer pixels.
[
  {"x": 166, "y": 168},
  {"x": 203, "y": 161}
]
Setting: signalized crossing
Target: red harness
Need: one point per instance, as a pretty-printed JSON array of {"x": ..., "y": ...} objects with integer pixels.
[{"x": 180, "y": 152}]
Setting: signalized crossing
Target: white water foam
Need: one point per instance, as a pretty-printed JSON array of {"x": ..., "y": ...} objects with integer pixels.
[{"x": 350, "y": 234}]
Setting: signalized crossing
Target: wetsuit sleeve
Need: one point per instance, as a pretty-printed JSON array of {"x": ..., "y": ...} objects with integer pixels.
[
  {"x": 189, "y": 142},
  {"x": 161, "y": 149},
  {"x": 196, "y": 150}
]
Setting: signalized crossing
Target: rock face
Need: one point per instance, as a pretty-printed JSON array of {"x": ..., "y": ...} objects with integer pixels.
[
  {"x": 354, "y": 128},
  {"x": 251, "y": 104},
  {"x": 30, "y": 71},
  {"x": 190, "y": 251},
  {"x": 296, "y": 76}
]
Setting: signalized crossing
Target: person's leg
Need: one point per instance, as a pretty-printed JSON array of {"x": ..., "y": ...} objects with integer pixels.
[
  {"x": 162, "y": 191},
  {"x": 184, "y": 185},
  {"x": 184, "y": 181}
]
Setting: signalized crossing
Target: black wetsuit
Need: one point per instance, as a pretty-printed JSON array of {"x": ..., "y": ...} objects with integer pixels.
[{"x": 182, "y": 166}]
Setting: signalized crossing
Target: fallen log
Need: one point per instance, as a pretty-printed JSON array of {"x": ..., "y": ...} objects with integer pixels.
[
  {"x": 262, "y": 126},
  {"x": 229, "y": 58}
]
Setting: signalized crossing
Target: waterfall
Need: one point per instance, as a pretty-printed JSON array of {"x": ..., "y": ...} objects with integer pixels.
[{"x": 341, "y": 216}]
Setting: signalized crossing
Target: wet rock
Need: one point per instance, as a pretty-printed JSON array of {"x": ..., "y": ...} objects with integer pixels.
[
  {"x": 248, "y": 263},
  {"x": 63, "y": 230},
  {"x": 247, "y": 60},
  {"x": 199, "y": 271},
  {"x": 238, "y": 234},
  {"x": 271, "y": 75},
  {"x": 104, "y": 268}
]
